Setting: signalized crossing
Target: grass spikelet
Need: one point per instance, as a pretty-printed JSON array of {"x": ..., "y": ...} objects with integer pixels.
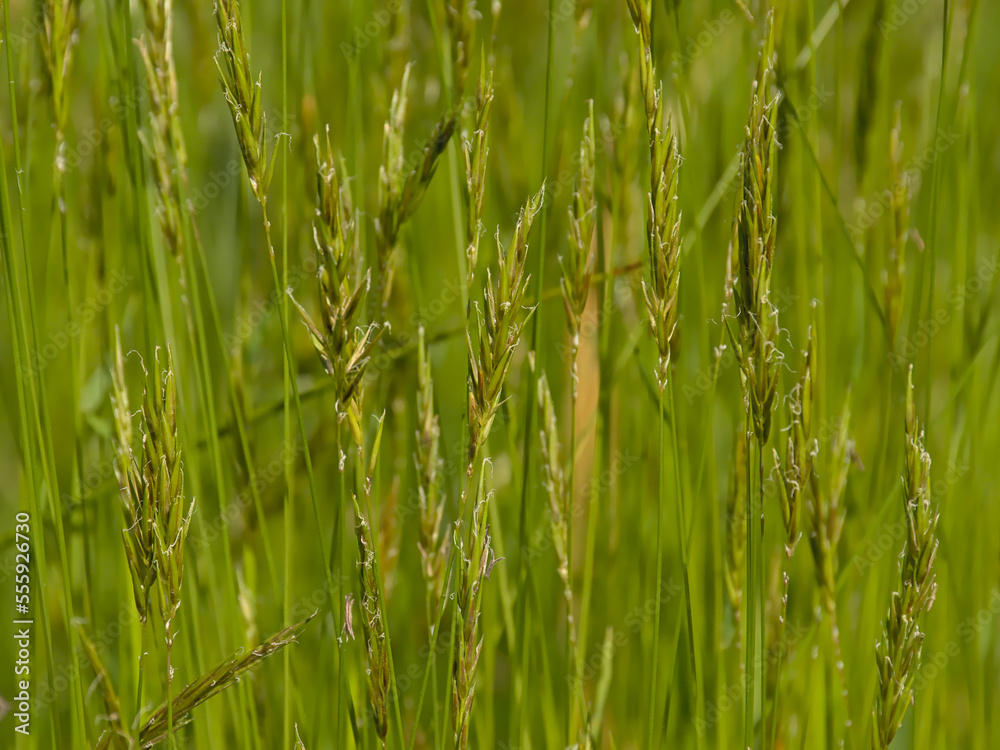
[
  {"x": 59, "y": 26},
  {"x": 475, "y": 147},
  {"x": 224, "y": 675},
  {"x": 461, "y": 23},
  {"x": 827, "y": 482},
  {"x": 433, "y": 545},
  {"x": 165, "y": 483},
  {"x": 756, "y": 349},
  {"x": 555, "y": 486},
  {"x": 152, "y": 487},
  {"x": 373, "y": 625},
  {"x": 897, "y": 654},
  {"x": 165, "y": 144},
  {"x": 663, "y": 224},
  {"x": 400, "y": 188},
  {"x": 578, "y": 264},
  {"x": 342, "y": 342},
  {"x": 243, "y": 95},
  {"x": 476, "y": 561},
  {"x": 794, "y": 479},
  {"x": 137, "y": 500},
  {"x": 754, "y": 344},
  {"x": 498, "y": 328}
]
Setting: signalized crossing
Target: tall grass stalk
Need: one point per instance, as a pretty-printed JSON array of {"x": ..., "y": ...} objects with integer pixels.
[
  {"x": 530, "y": 407},
  {"x": 755, "y": 343},
  {"x": 244, "y": 99},
  {"x": 663, "y": 241},
  {"x": 21, "y": 350}
]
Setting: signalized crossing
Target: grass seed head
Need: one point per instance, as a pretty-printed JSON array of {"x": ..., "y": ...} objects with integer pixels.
[
  {"x": 476, "y": 561},
  {"x": 476, "y": 150},
  {"x": 343, "y": 343},
  {"x": 165, "y": 483},
  {"x": 157, "y": 517},
  {"x": 401, "y": 189},
  {"x": 433, "y": 545},
  {"x": 373, "y": 625},
  {"x": 795, "y": 477},
  {"x": 578, "y": 263},
  {"x": 60, "y": 20},
  {"x": 897, "y": 654},
  {"x": 137, "y": 500},
  {"x": 243, "y": 95},
  {"x": 756, "y": 346},
  {"x": 554, "y": 479},
  {"x": 499, "y": 327},
  {"x": 223, "y": 676},
  {"x": 164, "y": 144},
  {"x": 663, "y": 225}
]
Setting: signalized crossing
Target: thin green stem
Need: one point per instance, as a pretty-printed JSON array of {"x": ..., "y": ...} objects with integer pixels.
[
  {"x": 570, "y": 646},
  {"x": 682, "y": 530},
  {"x": 750, "y": 631},
  {"x": 290, "y": 375},
  {"x": 527, "y": 485},
  {"x": 660, "y": 500},
  {"x": 761, "y": 593}
]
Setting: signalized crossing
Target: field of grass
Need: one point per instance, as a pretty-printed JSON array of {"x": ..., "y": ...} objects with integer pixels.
[{"x": 511, "y": 374}]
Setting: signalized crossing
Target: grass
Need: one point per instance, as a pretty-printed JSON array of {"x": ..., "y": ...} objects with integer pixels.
[{"x": 292, "y": 457}]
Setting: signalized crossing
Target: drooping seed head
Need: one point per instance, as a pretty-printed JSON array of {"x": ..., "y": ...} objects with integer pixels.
[{"x": 401, "y": 188}]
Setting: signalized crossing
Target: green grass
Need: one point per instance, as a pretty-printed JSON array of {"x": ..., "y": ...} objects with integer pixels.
[{"x": 164, "y": 223}]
